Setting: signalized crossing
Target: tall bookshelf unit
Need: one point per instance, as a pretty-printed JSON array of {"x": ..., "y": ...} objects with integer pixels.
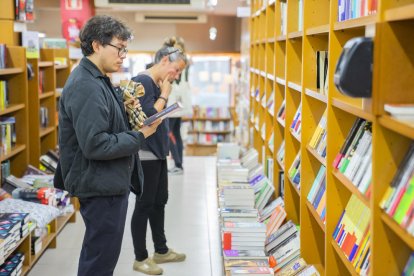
[
  {"x": 24, "y": 105},
  {"x": 286, "y": 64},
  {"x": 43, "y": 138}
]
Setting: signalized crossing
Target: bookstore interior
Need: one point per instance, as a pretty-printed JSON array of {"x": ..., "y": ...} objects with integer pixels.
[{"x": 340, "y": 70}]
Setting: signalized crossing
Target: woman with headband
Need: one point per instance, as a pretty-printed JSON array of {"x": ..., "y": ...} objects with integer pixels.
[{"x": 168, "y": 64}]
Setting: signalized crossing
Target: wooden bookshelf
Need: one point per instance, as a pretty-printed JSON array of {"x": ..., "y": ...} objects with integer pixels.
[
  {"x": 24, "y": 104},
  {"x": 10, "y": 71},
  {"x": 294, "y": 62}
]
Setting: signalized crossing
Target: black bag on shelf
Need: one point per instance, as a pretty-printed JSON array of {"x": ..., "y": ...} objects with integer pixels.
[{"x": 353, "y": 73}]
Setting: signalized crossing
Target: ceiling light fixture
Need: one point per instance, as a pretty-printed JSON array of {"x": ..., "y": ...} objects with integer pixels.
[{"x": 213, "y": 33}]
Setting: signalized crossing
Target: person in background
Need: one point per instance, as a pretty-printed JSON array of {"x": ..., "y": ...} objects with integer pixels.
[
  {"x": 168, "y": 64},
  {"x": 180, "y": 92},
  {"x": 98, "y": 151}
]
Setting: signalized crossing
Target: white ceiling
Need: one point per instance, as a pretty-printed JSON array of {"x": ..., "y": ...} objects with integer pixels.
[{"x": 224, "y": 7}]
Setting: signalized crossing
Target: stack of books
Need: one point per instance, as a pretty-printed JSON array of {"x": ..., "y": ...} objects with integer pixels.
[
  {"x": 13, "y": 265},
  {"x": 13, "y": 226},
  {"x": 354, "y": 159},
  {"x": 398, "y": 201},
  {"x": 402, "y": 112},
  {"x": 352, "y": 234}
]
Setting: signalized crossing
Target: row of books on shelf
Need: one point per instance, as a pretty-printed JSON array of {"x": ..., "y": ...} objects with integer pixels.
[
  {"x": 318, "y": 140},
  {"x": 349, "y": 9},
  {"x": 296, "y": 126},
  {"x": 354, "y": 159},
  {"x": 212, "y": 126},
  {"x": 283, "y": 18},
  {"x": 44, "y": 116},
  {"x": 256, "y": 238},
  {"x": 13, "y": 265},
  {"x": 207, "y": 138},
  {"x": 2, "y": 55},
  {"x": 212, "y": 112},
  {"x": 317, "y": 193},
  {"x": 322, "y": 72},
  {"x": 352, "y": 234},
  {"x": 281, "y": 114},
  {"x": 280, "y": 156},
  {"x": 398, "y": 200},
  {"x": 403, "y": 112},
  {"x": 24, "y": 10},
  {"x": 7, "y": 134},
  {"x": 294, "y": 171},
  {"x": 13, "y": 227},
  {"x": 4, "y": 94}
]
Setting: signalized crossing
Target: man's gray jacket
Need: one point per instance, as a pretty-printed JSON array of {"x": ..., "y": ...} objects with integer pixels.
[{"x": 98, "y": 151}]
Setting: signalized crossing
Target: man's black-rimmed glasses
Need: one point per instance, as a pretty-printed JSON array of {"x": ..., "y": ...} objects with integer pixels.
[{"x": 122, "y": 51}]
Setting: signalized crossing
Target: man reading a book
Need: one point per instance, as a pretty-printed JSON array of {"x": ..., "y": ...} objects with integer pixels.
[{"x": 99, "y": 159}]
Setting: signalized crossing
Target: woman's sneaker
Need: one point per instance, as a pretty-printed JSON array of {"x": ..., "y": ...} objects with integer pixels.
[
  {"x": 176, "y": 171},
  {"x": 170, "y": 256},
  {"x": 147, "y": 266}
]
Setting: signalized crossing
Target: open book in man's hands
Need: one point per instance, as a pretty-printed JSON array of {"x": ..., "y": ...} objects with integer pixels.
[{"x": 164, "y": 113}]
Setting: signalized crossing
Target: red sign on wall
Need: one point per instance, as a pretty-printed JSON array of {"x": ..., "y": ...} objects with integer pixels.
[{"x": 74, "y": 14}]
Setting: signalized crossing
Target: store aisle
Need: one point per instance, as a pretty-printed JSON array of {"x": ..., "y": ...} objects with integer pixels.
[{"x": 191, "y": 227}]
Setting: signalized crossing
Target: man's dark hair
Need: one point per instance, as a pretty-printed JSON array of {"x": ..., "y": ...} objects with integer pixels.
[{"x": 102, "y": 28}]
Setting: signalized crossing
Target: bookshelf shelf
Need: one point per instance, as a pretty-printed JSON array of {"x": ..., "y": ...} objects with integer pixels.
[
  {"x": 355, "y": 23},
  {"x": 297, "y": 138},
  {"x": 10, "y": 71},
  {"x": 348, "y": 184},
  {"x": 17, "y": 245},
  {"x": 400, "y": 232},
  {"x": 282, "y": 123},
  {"x": 45, "y": 131},
  {"x": 400, "y": 127},
  {"x": 316, "y": 155},
  {"x": 280, "y": 164},
  {"x": 211, "y": 119},
  {"x": 400, "y": 13},
  {"x": 343, "y": 258},
  {"x": 297, "y": 191},
  {"x": 271, "y": 77},
  {"x": 281, "y": 81},
  {"x": 60, "y": 67},
  {"x": 209, "y": 132},
  {"x": 62, "y": 221},
  {"x": 315, "y": 215},
  {"x": 271, "y": 40},
  {"x": 12, "y": 108},
  {"x": 295, "y": 86},
  {"x": 45, "y": 95},
  {"x": 44, "y": 64},
  {"x": 281, "y": 38},
  {"x": 45, "y": 244},
  {"x": 353, "y": 109},
  {"x": 316, "y": 95},
  {"x": 294, "y": 35},
  {"x": 14, "y": 151},
  {"x": 318, "y": 30},
  {"x": 201, "y": 145}
]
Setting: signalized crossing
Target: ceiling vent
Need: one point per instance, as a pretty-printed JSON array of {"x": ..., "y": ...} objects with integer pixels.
[
  {"x": 152, "y": 5},
  {"x": 170, "y": 18}
]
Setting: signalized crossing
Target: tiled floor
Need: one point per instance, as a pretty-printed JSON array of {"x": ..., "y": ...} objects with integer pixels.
[{"x": 191, "y": 227}]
